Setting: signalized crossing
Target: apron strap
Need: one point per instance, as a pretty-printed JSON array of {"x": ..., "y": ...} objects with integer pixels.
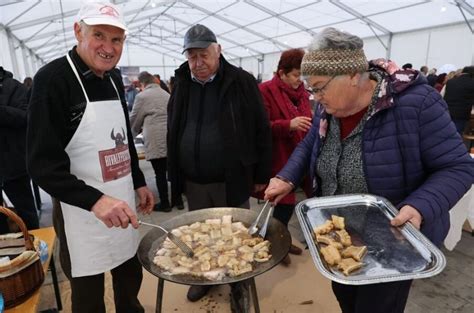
[
  {"x": 77, "y": 76},
  {"x": 82, "y": 85},
  {"x": 115, "y": 87}
]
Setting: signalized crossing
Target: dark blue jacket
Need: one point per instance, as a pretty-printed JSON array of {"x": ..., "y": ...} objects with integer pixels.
[{"x": 412, "y": 155}]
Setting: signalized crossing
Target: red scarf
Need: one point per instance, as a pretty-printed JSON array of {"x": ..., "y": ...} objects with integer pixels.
[{"x": 298, "y": 104}]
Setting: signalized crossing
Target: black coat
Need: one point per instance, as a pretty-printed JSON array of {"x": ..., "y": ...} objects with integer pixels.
[
  {"x": 13, "y": 106},
  {"x": 431, "y": 79},
  {"x": 164, "y": 87},
  {"x": 244, "y": 127},
  {"x": 460, "y": 96}
]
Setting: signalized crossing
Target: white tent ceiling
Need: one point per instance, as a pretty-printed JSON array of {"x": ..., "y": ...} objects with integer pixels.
[{"x": 245, "y": 28}]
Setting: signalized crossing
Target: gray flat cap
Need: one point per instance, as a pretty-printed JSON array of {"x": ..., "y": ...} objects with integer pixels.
[{"x": 198, "y": 36}]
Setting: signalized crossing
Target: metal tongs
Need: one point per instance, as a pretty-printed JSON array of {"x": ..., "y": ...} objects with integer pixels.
[
  {"x": 254, "y": 228},
  {"x": 178, "y": 242}
]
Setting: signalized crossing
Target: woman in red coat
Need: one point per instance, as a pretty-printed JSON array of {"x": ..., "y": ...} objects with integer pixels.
[{"x": 288, "y": 106}]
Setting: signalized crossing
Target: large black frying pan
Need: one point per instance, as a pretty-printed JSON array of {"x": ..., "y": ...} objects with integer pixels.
[{"x": 277, "y": 234}]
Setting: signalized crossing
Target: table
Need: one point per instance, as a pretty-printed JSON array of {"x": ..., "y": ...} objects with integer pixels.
[
  {"x": 31, "y": 305},
  {"x": 462, "y": 211}
]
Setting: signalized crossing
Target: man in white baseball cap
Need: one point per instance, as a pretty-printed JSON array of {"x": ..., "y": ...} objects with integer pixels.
[
  {"x": 81, "y": 151},
  {"x": 99, "y": 13}
]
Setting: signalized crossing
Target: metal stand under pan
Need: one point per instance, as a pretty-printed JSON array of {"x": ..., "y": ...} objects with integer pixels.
[{"x": 250, "y": 285}]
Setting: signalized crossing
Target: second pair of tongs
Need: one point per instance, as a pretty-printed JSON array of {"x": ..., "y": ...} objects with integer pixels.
[
  {"x": 178, "y": 242},
  {"x": 254, "y": 228}
]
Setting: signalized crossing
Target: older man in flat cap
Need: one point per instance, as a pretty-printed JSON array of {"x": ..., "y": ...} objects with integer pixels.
[
  {"x": 80, "y": 150},
  {"x": 219, "y": 147}
]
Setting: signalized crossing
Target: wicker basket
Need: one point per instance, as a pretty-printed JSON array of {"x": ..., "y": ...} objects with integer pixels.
[{"x": 25, "y": 279}]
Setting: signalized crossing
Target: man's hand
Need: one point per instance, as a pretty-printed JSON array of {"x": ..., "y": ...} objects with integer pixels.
[
  {"x": 146, "y": 200},
  {"x": 301, "y": 123},
  {"x": 277, "y": 189},
  {"x": 113, "y": 212},
  {"x": 407, "y": 214}
]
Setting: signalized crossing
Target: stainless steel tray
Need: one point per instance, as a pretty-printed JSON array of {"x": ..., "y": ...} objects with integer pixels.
[{"x": 394, "y": 253}]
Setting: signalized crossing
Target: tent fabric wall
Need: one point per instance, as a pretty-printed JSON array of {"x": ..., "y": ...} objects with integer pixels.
[
  {"x": 433, "y": 47},
  {"x": 26, "y": 62},
  {"x": 252, "y": 32},
  {"x": 250, "y": 65},
  {"x": 19, "y": 59},
  {"x": 5, "y": 59}
]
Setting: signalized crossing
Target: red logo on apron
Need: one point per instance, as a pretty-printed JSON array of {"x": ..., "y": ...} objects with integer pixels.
[{"x": 115, "y": 163}]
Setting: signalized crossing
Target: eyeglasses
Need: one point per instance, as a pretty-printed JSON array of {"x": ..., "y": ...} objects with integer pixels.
[{"x": 320, "y": 91}]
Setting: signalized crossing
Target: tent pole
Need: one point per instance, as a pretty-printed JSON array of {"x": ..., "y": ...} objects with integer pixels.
[
  {"x": 465, "y": 19},
  {"x": 13, "y": 57},
  {"x": 389, "y": 46}
]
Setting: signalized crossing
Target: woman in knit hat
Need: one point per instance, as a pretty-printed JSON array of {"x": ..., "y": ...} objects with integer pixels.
[
  {"x": 287, "y": 103},
  {"x": 381, "y": 130}
]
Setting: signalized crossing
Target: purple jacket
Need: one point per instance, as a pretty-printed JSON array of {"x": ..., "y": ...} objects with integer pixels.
[{"x": 411, "y": 152}]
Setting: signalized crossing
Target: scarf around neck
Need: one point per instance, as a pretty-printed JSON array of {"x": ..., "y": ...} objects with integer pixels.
[
  {"x": 298, "y": 104},
  {"x": 295, "y": 95}
]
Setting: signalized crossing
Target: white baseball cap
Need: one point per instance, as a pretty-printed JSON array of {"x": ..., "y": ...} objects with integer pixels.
[{"x": 100, "y": 13}]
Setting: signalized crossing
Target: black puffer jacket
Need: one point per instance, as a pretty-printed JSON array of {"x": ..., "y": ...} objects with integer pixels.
[
  {"x": 243, "y": 125},
  {"x": 460, "y": 96},
  {"x": 13, "y": 105}
]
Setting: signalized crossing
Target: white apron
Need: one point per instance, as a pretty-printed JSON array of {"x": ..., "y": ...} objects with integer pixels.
[{"x": 99, "y": 156}]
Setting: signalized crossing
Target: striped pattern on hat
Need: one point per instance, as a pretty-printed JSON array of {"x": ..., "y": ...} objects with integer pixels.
[{"x": 333, "y": 62}]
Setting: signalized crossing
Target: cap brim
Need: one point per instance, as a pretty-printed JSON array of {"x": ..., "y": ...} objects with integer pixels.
[
  {"x": 197, "y": 45},
  {"x": 105, "y": 21}
]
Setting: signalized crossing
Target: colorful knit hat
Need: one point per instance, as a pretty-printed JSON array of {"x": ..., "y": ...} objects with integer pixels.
[{"x": 334, "y": 61}]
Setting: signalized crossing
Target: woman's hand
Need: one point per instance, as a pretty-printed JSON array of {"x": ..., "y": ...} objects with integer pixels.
[
  {"x": 407, "y": 214},
  {"x": 277, "y": 189},
  {"x": 301, "y": 123}
]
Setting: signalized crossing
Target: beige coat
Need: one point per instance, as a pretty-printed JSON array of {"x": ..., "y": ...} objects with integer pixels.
[{"x": 150, "y": 114}]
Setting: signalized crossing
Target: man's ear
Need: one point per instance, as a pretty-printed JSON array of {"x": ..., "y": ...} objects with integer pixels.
[
  {"x": 219, "y": 49},
  {"x": 78, "y": 31}
]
